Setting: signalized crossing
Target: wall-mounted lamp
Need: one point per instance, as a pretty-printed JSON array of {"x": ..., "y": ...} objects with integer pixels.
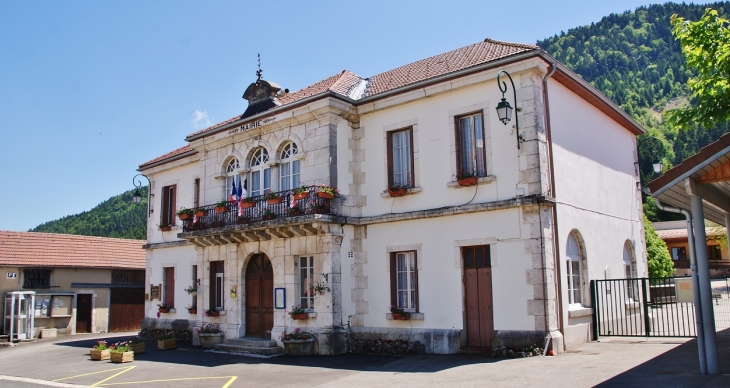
[
  {"x": 504, "y": 109},
  {"x": 137, "y": 195},
  {"x": 656, "y": 150}
]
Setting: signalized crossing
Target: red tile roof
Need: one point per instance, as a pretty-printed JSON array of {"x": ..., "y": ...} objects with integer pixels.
[
  {"x": 31, "y": 249},
  {"x": 435, "y": 66},
  {"x": 169, "y": 155},
  {"x": 445, "y": 63},
  {"x": 669, "y": 234}
]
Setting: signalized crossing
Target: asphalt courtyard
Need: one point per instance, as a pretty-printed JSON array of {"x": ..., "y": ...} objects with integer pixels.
[{"x": 611, "y": 362}]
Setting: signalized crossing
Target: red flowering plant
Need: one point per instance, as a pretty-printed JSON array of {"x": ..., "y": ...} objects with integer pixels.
[
  {"x": 328, "y": 190},
  {"x": 101, "y": 345},
  {"x": 298, "y": 334},
  {"x": 120, "y": 347}
]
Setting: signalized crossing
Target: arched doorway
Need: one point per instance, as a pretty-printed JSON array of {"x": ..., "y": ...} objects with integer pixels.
[{"x": 259, "y": 297}]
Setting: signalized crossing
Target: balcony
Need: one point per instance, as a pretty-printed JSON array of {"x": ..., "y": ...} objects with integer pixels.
[{"x": 274, "y": 215}]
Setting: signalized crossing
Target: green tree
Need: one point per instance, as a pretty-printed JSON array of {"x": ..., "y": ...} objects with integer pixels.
[
  {"x": 657, "y": 255},
  {"x": 706, "y": 47}
]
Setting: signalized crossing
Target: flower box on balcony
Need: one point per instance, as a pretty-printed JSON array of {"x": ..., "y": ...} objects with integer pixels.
[
  {"x": 200, "y": 213},
  {"x": 185, "y": 216},
  {"x": 275, "y": 201},
  {"x": 247, "y": 204},
  {"x": 470, "y": 181},
  {"x": 301, "y": 195},
  {"x": 397, "y": 192},
  {"x": 324, "y": 195},
  {"x": 221, "y": 209}
]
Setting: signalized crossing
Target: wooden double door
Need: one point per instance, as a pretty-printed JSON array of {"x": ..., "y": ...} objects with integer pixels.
[
  {"x": 478, "y": 296},
  {"x": 259, "y": 297}
]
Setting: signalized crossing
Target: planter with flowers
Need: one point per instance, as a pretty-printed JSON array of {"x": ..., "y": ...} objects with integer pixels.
[
  {"x": 192, "y": 310},
  {"x": 163, "y": 308},
  {"x": 200, "y": 212},
  {"x": 166, "y": 341},
  {"x": 300, "y": 193},
  {"x": 268, "y": 215},
  {"x": 298, "y": 313},
  {"x": 247, "y": 203},
  {"x": 137, "y": 345},
  {"x": 327, "y": 192},
  {"x": 466, "y": 179},
  {"x": 185, "y": 214},
  {"x": 397, "y": 190},
  {"x": 164, "y": 227},
  {"x": 399, "y": 314},
  {"x": 211, "y": 313},
  {"x": 121, "y": 352},
  {"x": 273, "y": 199},
  {"x": 221, "y": 207},
  {"x": 100, "y": 351},
  {"x": 210, "y": 335},
  {"x": 298, "y": 343}
]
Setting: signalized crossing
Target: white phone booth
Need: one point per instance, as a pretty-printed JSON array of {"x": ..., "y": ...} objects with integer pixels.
[{"x": 18, "y": 323}]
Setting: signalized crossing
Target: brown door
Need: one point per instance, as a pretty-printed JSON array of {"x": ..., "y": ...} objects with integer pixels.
[
  {"x": 126, "y": 310},
  {"x": 478, "y": 303},
  {"x": 83, "y": 313},
  {"x": 259, "y": 297}
]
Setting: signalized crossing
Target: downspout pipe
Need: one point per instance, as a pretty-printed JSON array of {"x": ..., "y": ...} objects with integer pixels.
[{"x": 695, "y": 283}]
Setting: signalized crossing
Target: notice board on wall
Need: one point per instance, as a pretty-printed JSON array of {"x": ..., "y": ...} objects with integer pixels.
[{"x": 61, "y": 305}]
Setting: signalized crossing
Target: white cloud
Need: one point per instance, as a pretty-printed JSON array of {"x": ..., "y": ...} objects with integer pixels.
[{"x": 201, "y": 119}]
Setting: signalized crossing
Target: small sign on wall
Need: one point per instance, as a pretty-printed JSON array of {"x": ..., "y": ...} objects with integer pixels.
[
  {"x": 155, "y": 292},
  {"x": 11, "y": 275},
  {"x": 684, "y": 290},
  {"x": 279, "y": 298}
]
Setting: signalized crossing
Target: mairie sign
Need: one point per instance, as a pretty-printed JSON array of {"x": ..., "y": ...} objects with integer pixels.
[{"x": 251, "y": 125}]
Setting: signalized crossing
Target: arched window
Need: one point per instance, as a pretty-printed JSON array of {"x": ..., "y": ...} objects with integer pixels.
[
  {"x": 575, "y": 284},
  {"x": 260, "y": 181},
  {"x": 629, "y": 266},
  {"x": 232, "y": 177},
  {"x": 289, "y": 171}
]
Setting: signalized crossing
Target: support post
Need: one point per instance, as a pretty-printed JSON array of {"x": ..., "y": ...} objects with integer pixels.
[{"x": 703, "y": 272}]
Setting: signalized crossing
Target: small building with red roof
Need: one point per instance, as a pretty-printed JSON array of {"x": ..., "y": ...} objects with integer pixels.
[{"x": 82, "y": 284}]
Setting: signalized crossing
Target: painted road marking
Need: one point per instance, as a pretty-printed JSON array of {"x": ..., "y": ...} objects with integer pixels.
[
  {"x": 93, "y": 373},
  {"x": 101, "y": 383}
]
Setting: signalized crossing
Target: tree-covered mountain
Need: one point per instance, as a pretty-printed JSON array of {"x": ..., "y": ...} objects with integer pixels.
[
  {"x": 116, "y": 217},
  {"x": 634, "y": 60}
]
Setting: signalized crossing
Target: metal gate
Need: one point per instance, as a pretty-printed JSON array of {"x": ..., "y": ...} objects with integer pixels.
[{"x": 640, "y": 307}]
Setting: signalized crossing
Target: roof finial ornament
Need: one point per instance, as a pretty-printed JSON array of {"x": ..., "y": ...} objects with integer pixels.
[{"x": 259, "y": 71}]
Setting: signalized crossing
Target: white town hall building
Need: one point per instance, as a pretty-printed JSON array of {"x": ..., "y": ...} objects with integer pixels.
[{"x": 505, "y": 259}]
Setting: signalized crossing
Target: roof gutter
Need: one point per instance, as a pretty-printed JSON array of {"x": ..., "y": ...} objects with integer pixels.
[
  {"x": 687, "y": 174},
  {"x": 143, "y": 167}
]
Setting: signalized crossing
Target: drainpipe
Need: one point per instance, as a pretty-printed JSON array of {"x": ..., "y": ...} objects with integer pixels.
[
  {"x": 551, "y": 192},
  {"x": 695, "y": 283}
]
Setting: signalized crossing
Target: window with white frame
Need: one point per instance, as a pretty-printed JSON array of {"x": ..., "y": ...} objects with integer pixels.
[
  {"x": 216, "y": 285},
  {"x": 471, "y": 155},
  {"x": 400, "y": 158},
  {"x": 260, "y": 182},
  {"x": 306, "y": 282},
  {"x": 289, "y": 169},
  {"x": 232, "y": 177},
  {"x": 404, "y": 280},
  {"x": 575, "y": 287}
]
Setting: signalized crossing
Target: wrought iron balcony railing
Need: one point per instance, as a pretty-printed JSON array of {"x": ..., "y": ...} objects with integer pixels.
[{"x": 282, "y": 204}]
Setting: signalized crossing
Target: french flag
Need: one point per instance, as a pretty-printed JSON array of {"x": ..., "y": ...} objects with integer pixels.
[{"x": 232, "y": 197}]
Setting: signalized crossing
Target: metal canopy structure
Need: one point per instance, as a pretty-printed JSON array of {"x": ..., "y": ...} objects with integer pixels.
[
  {"x": 710, "y": 170},
  {"x": 699, "y": 188}
]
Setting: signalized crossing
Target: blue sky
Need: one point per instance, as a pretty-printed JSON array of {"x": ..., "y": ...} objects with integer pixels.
[{"x": 91, "y": 89}]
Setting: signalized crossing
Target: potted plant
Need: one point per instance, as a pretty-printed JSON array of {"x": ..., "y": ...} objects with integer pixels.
[
  {"x": 211, "y": 313},
  {"x": 192, "y": 310},
  {"x": 137, "y": 345},
  {"x": 185, "y": 214},
  {"x": 298, "y": 313},
  {"x": 247, "y": 203},
  {"x": 166, "y": 341},
  {"x": 301, "y": 193},
  {"x": 164, "y": 227},
  {"x": 295, "y": 210},
  {"x": 327, "y": 192},
  {"x": 121, "y": 352},
  {"x": 210, "y": 335},
  {"x": 298, "y": 343},
  {"x": 320, "y": 288},
  {"x": 100, "y": 351},
  {"x": 397, "y": 190},
  {"x": 268, "y": 215},
  {"x": 399, "y": 314},
  {"x": 273, "y": 198},
  {"x": 192, "y": 289},
  {"x": 319, "y": 208},
  {"x": 163, "y": 308},
  {"x": 240, "y": 220},
  {"x": 466, "y": 179},
  {"x": 221, "y": 207},
  {"x": 200, "y": 212}
]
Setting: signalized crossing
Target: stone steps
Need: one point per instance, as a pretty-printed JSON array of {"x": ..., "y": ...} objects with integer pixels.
[{"x": 258, "y": 346}]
